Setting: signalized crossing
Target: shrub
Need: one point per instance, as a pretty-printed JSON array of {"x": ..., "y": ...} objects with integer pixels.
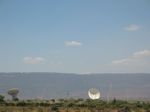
[{"x": 2, "y": 99}]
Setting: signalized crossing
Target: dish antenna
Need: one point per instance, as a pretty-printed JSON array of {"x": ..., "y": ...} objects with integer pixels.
[
  {"x": 13, "y": 92},
  {"x": 94, "y": 93}
]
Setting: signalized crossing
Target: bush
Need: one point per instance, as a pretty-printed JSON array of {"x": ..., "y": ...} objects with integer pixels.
[
  {"x": 54, "y": 108},
  {"x": 21, "y": 103},
  {"x": 2, "y": 99}
]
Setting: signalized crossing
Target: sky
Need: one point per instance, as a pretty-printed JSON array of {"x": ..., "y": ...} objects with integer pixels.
[{"x": 75, "y": 36}]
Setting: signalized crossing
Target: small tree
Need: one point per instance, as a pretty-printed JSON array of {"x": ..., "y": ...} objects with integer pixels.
[
  {"x": 2, "y": 99},
  {"x": 114, "y": 101}
]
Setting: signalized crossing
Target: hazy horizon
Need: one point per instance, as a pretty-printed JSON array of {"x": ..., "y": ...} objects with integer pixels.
[
  {"x": 61, "y": 85},
  {"x": 88, "y": 73}
]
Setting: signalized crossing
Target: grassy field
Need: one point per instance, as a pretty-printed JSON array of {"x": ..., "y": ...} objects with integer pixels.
[{"x": 74, "y": 105}]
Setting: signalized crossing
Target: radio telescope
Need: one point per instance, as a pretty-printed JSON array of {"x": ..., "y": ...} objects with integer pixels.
[
  {"x": 94, "y": 93},
  {"x": 13, "y": 92}
]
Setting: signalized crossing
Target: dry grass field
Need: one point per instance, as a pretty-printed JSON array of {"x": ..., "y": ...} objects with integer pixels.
[{"x": 74, "y": 105}]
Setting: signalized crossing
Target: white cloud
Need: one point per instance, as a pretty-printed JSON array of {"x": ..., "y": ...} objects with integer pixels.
[
  {"x": 33, "y": 60},
  {"x": 121, "y": 61},
  {"x": 141, "y": 54},
  {"x": 132, "y": 27},
  {"x": 134, "y": 58},
  {"x": 73, "y": 43}
]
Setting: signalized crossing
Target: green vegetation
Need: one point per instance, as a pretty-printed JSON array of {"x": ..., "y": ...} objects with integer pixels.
[
  {"x": 73, "y": 105},
  {"x": 2, "y": 99}
]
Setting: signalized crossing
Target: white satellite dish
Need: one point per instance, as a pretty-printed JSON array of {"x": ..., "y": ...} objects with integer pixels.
[{"x": 94, "y": 93}]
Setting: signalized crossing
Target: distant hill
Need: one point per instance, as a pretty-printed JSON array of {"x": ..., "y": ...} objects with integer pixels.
[{"x": 65, "y": 85}]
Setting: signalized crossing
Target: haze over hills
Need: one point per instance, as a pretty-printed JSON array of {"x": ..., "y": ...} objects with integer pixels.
[{"x": 65, "y": 85}]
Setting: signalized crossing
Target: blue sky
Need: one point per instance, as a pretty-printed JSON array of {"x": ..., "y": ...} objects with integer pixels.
[{"x": 78, "y": 36}]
